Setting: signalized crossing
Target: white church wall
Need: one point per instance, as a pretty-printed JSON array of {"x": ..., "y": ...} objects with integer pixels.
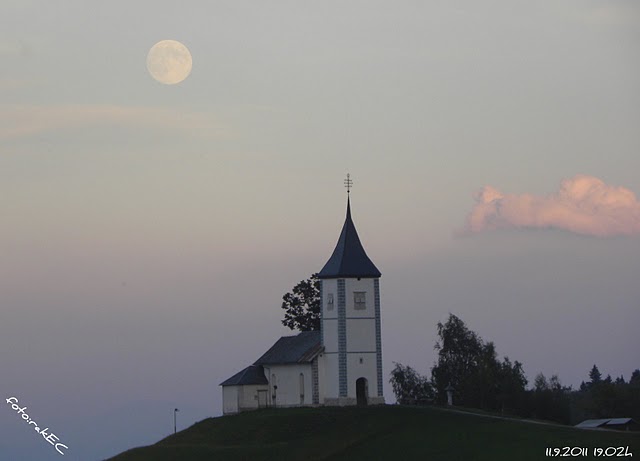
[
  {"x": 331, "y": 376},
  {"x": 229, "y": 399},
  {"x": 322, "y": 379},
  {"x": 328, "y": 366},
  {"x": 248, "y": 396},
  {"x": 241, "y": 398},
  {"x": 361, "y": 335},
  {"x": 287, "y": 378},
  {"x": 330, "y": 335}
]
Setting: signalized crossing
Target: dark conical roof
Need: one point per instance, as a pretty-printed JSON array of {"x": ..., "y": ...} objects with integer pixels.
[{"x": 349, "y": 258}]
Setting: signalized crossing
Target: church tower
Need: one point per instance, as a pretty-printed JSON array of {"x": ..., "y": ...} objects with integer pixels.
[{"x": 350, "y": 326}]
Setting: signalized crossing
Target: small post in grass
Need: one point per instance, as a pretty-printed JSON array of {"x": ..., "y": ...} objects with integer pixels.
[{"x": 449, "y": 389}]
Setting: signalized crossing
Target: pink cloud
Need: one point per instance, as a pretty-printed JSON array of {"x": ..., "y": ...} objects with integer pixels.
[{"x": 583, "y": 204}]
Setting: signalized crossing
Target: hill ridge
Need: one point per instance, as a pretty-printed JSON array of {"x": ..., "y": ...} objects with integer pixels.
[{"x": 377, "y": 432}]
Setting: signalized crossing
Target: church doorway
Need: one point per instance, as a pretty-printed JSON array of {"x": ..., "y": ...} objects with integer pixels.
[{"x": 362, "y": 392}]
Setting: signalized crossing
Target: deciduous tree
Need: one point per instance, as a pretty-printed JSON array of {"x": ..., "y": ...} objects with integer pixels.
[
  {"x": 409, "y": 386},
  {"x": 302, "y": 305},
  {"x": 472, "y": 367}
]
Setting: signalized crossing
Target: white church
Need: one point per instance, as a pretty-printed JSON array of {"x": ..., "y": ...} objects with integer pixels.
[{"x": 339, "y": 365}]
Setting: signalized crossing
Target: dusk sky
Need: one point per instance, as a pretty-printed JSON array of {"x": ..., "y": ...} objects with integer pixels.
[{"x": 149, "y": 231}]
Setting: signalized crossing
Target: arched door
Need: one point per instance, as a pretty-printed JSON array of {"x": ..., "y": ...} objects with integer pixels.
[{"x": 362, "y": 393}]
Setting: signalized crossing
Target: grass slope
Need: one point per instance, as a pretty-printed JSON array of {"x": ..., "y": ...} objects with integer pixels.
[{"x": 373, "y": 433}]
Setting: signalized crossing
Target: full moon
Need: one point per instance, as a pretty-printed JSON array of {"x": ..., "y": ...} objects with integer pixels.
[{"x": 169, "y": 62}]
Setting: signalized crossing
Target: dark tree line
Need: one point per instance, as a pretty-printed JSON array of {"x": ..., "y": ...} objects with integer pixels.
[
  {"x": 596, "y": 398},
  {"x": 604, "y": 398},
  {"x": 480, "y": 380}
]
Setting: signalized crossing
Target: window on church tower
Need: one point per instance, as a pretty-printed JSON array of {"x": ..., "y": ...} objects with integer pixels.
[
  {"x": 330, "y": 302},
  {"x": 359, "y": 300}
]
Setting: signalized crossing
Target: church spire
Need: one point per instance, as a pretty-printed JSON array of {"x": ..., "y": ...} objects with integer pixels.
[
  {"x": 349, "y": 260},
  {"x": 348, "y": 183}
]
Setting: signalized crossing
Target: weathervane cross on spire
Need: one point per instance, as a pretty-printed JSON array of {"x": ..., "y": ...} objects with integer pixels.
[{"x": 348, "y": 183}]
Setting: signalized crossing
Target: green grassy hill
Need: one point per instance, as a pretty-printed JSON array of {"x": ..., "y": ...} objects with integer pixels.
[{"x": 373, "y": 433}]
